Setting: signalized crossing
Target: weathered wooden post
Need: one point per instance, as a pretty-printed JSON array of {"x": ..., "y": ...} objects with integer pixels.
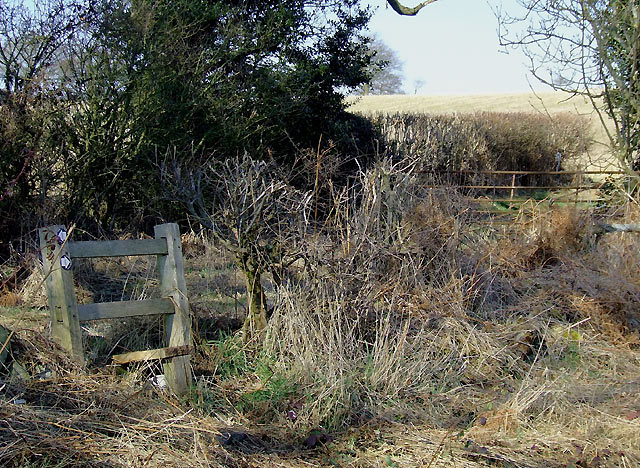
[
  {"x": 578, "y": 187},
  {"x": 177, "y": 370},
  {"x": 65, "y": 325}
]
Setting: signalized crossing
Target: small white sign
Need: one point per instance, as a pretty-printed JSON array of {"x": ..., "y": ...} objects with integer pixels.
[
  {"x": 159, "y": 381},
  {"x": 65, "y": 262},
  {"x": 62, "y": 236}
]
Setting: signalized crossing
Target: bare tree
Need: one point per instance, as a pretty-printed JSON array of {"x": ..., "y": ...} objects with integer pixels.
[
  {"x": 32, "y": 39},
  {"x": 589, "y": 48},
  {"x": 387, "y": 70},
  {"x": 250, "y": 210}
]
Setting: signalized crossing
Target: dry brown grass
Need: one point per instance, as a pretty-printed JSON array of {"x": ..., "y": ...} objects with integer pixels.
[{"x": 409, "y": 335}]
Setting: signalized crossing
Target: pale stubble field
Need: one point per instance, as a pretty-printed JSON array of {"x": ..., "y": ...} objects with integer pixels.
[{"x": 549, "y": 103}]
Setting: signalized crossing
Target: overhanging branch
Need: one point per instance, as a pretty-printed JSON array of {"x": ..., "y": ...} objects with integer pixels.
[{"x": 408, "y": 11}]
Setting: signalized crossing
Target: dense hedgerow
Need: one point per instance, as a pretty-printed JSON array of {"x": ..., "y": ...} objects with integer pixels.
[{"x": 486, "y": 140}]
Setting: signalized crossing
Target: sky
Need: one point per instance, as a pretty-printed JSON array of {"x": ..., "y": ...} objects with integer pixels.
[{"x": 453, "y": 46}]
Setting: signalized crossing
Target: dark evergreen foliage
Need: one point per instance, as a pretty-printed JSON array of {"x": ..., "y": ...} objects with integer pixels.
[{"x": 95, "y": 91}]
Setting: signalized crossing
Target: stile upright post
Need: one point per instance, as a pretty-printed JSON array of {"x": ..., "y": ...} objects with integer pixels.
[
  {"x": 178, "y": 325},
  {"x": 65, "y": 325}
]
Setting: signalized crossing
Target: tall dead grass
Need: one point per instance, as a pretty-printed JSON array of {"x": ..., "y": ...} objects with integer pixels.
[{"x": 529, "y": 338}]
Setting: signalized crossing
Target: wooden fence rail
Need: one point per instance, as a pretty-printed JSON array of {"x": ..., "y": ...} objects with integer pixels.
[
  {"x": 481, "y": 188},
  {"x": 58, "y": 253}
]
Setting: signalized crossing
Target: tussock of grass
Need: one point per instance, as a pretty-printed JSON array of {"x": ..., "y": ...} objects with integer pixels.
[{"x": 439, "y": 346}]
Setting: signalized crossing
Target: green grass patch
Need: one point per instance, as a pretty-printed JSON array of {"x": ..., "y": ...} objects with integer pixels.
[{"x": 229, "y": 356}]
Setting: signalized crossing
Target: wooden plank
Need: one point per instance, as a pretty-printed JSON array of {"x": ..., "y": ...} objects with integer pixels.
[
  {"x": 113, "y": 310},
  {"x": 177, "y": 326},
  {"x": 500, "y": 222},
  {"x": 65, "y": 326},
  {"x": 533, "y": 200},
  {"x": 513, "y": 186},
  {"x": 117, "y": 248},
  {"x": 620, "y": 227},
  {"x": 162, "y": 353}
]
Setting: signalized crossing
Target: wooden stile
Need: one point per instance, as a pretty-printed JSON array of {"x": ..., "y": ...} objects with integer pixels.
[{"x": 58, "y": 254}]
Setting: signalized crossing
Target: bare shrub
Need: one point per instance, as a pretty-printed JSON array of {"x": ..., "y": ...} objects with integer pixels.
[
  {"x": 446, "y": 142},
  {"x": 349, "y": 327},
  {"x": 250, "y": 208},
  {"x": 526, "y": 141}
]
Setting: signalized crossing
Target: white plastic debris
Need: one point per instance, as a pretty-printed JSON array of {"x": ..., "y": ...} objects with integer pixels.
[{"x": 159, "y": 381}]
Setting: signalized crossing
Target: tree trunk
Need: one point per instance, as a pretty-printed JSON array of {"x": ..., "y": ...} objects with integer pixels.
[{"x": 256, "y": 320}]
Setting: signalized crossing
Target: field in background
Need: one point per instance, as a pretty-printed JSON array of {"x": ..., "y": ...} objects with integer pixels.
[
  {"x": 553, "y": 102},
  {"x": 598, "y": 158}
]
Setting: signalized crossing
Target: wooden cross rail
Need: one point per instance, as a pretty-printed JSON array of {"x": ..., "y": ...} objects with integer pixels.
[
  {"x": 123, "y": 309},
  {"x": 58, "y": 254},
  {"x": 162, "y": 353},
  {"x": 118, "y": 248}
]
